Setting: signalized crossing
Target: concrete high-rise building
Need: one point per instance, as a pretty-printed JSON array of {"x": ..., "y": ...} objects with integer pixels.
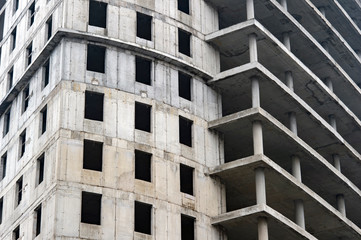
[{"x": 180, "y": 119}]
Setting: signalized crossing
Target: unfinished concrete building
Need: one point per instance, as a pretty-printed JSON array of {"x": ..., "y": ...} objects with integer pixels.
[{"x": 181, "y": 119}]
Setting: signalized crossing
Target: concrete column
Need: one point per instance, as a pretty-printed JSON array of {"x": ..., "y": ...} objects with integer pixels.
[
  {"x": 260, "y": 185},
  {"x": 325, "y": 46},
  {"x": 336, "y": 162},
  {"x": 262, "y": 228},
  {"x": 332, "y": 121},
  {"x": 286, "y": 40},
  {"x": 293, "y": 122},
  {"x": 289, "y": 80},
  {"x": 299, "y": 213},
  {"x": 250, "y": 9},
  {"x": 296, "y": 168},
  {"x": 253, "y": 55},
  {"x": 256, "y": 98},
  {"x": 341, "y": 204},
  {"x": 257, "y": 137},
  {"x": 323, "y": 11},
  {"x": 329, "y": 84},
  {"x": 284, "y": 4}
]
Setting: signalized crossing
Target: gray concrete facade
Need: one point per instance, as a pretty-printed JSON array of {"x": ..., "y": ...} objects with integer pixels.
[{"x": 272, "y": 133}]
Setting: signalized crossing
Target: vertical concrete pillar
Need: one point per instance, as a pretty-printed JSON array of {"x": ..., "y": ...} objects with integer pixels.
[
  {"x": 293, "y": 122},
  {"x": 323, "y": 11},
  {"x": 299, "y": 213},
  {"x": 329, "y": 84},
  {"x": 260, "y": 185},
  {"x": 336, "y": 162},
  {"x": 284, "y": 4},
  {"x": 256, "y": 99},
  {"x": 257, "y": 137},
  {"x": 296, "y": 168},
  {"x": 262, "y": 228},
  {"x": 250, "y": 9},
  {"x": 253, "y": 55},
  {"x": 289, "y": 80},
  {"x": 341, "y": 206},
  {"x": 286, "y": 40},
  {"x": 332, "y": 121}
]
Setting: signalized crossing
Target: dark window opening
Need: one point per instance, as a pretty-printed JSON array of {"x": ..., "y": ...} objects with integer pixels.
[
  {"x": 142, "y": 218},
  {"x": 143, "y": 70},
  {"x": 49, "y": 28},
  {"x": 184, "y": 85},
  {"x": 13, "y": 39},
  {"x": 10, "y": 78},
  {"x": 1, "y": 210},
  {"x": 26, "y": 98},
  {"x": 97, "y": 14},
  {"x": 16, "y": 5},
  {"x": 40, "y": 168},
  {"x": 6, "y": 122},
  {"x": 19, "y": 190},
  {"x": 183, "y": 5},
  {"x": 38, "y": 220},
  {"x": 4, "y": 159},
  {"x": 96, "y": 58},
  {"x": 94, "y": 105},
  {"x": 2, "y": 3},
  {"x": 91, "y": 208},
  {"x": 144, "y": 26},
  {"x": 187, "y": 227},
  {"x": 185, "y": 131},
  {"x": 184, "y": 42},
  {"x": 93, "y": 155},
  {"x": 29, "y": 54},
  {"x": 186, "y": 179},
  {"x": 46, "y": 76},
  {"x": 142, "y": 116},
  {"x": 16, "y": 233},
  {"x": 44, "y": 115},
  {"x": 143, "y": 166},
  {"x": 2, "y": 21},
  {"x": 22, "y": 143},
  {"x": 32, "y": 13}
]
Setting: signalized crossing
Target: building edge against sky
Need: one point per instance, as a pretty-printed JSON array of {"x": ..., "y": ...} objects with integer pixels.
[{"x": 188, "y": 119}]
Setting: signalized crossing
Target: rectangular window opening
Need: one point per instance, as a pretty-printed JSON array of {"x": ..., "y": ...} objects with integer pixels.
[
  {"x": 22, "y": 143},
  {"x": 184, "y": 85},
  {"x": 187, "y": 227},
  {"x": 93, "y": 155},
  {"x": 143, "y": 70},
  {"x": 40, "y": 169},
  {"x": 91, "y": 208},
  {"x": 94, "y": 105},
  {"x": 19, "y": 190},
  {"x": 31, "y": 14},
  {"x": 26, "y": 98},
  {"x": 38, "y": 220},
  {"x": 1, "y": 209},
  {"x": 143, "y": 167},
  {"x": 2, "y": 21},
  {"x": 49, "y": 28},
  {"x": 46, "y": 74},
  {"x": 16, "y": 5},
  {"x": 186, "y": 179},
  {"x": 43, "y": 119},
  {"x": 13, "y": 39},
  {"x": 10, "y": 78},
  {"x": 185, "y": 131},
  {"x": 3, "y": 163},
  {"x": 96, "y": 58},
  {"x": 142, "y": 116},
  {"x": 16, "y": 233},
  {"x": 184, "y": 42},
  {"x": 6, "y": 122},
  {"x": 183, "y": 6},
  {"x": 29, "y": 54},
  {"x": 144, "y": 26},
  {"x": 142, "y": 217},
  {"x": 97, "y": 14}
]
